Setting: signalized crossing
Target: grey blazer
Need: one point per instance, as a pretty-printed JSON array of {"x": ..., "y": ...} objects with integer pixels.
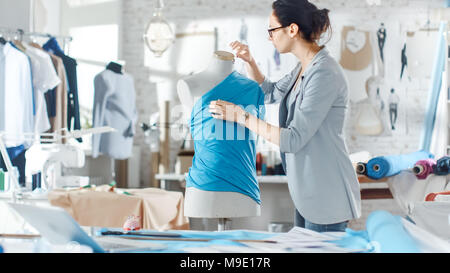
[{"x": 322, "y": 181}]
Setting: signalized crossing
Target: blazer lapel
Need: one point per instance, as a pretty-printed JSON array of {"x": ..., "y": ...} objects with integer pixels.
[{"x": 283, "y": 109}]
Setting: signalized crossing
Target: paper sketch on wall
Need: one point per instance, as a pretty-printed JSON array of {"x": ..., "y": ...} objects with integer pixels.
[
  {"x": 356, "y": 59},
  {"x": 371, "y": 118},
  {"x": 404, "y": 60},
  {"x": 393, "y": 101},
  {"x": 420, "y": 49},
  {"x": 381, "y": 35},
  {"x": 356, "y": 51}
]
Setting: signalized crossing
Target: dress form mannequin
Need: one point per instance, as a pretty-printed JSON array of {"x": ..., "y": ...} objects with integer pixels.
[{"x": 213, "y": 204}]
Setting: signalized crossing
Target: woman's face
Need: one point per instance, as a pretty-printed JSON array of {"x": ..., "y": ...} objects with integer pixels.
[{"x": 280, "y": 37}]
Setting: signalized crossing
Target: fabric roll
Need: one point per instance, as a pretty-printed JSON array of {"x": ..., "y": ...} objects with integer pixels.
[
  {"x": 442, "y": 166},
  {"x": 423, "y": 168},
  {"x": 361, "y": 168},
  {"x": 385, "y": 166}
]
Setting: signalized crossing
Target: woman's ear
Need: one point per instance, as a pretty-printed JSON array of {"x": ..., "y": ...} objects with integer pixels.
[{"x": 293, "y": 30}]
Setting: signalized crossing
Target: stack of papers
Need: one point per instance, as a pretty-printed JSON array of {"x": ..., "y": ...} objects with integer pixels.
[{"x": 302, "y": 240}]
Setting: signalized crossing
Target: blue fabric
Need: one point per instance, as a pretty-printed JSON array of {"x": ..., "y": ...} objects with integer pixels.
[
  {"x": 394, "y": 164},
  {"x": 17, "y": 156},
  {"x": 225, "y": 153},
  {"x": 433, "y": 97},
  {"x": 52, "y": 46},
  {"x": 216, "y": 238},
  {"x": 385, "y": 233}
]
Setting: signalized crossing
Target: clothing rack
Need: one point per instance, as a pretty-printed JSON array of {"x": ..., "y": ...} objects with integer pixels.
[{"x": 18, "y": 34}]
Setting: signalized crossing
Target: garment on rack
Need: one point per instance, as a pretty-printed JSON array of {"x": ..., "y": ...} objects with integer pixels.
[
  {"x": 16, "y": 96},
  {"x": 44, "y": 79},
  {"x": 225, "y": 153},
  {"x": 70, "y": 65},
  {"x": 57, "y": 98},
  {"x": 17, "y": 157},
  {"x": 114, "y": 106}
]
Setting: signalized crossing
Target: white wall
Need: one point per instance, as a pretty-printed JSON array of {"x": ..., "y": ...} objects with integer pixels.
[{"x": 15, "y": 14}]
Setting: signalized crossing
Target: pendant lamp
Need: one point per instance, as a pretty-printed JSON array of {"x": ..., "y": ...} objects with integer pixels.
[{"x": 158, "y": 35}]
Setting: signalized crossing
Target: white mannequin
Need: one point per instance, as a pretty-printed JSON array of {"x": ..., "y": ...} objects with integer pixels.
[{"x": 211, "y": 204}]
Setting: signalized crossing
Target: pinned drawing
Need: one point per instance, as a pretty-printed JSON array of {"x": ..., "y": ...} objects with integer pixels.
[
  {"x": 381, "y": 35},
  {"x": 356, "y": 51},
  {"x": 393, "y": 101},
  {"x": 404, "y": 60},
  {"x": 370, "y": 120}
]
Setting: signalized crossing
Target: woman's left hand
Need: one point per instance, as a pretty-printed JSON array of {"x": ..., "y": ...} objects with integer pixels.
[{"x": 225, "y": 110}]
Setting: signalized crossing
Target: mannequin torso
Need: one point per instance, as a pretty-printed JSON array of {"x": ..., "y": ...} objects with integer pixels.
[{"x": 212, "y": 204}]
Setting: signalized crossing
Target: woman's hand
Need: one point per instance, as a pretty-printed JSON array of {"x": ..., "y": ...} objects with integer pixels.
[
  {"x": 227, "y": 111},
  {"x": 242, "y": 51}
]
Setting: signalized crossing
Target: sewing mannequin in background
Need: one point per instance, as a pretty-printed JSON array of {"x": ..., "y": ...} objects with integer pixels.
[{"x": 201, "y": 203}]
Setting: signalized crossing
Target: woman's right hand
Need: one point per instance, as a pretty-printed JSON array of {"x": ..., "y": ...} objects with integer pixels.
[{"x": 242, "y": 51}]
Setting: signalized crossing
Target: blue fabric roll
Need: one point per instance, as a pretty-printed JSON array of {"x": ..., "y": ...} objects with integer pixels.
[
  {"x": 385, "y": 234},
  {"x": 385, "y": 166},
  {"x": 225, "y": 153}
]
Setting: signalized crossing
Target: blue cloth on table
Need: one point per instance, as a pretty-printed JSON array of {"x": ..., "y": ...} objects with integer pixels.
[
  {"x": 216, "y": 238},
  {"x": 385, "y": 233},
  {"x": 225, "y": 153},
  {"x": 394, "y": 164}
]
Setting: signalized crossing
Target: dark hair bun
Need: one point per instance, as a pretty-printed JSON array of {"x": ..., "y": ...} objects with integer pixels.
[{"x": 312, "y": 22}]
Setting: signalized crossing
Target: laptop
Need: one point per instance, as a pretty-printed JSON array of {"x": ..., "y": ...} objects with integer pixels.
[{"x": 58, "y": 227}]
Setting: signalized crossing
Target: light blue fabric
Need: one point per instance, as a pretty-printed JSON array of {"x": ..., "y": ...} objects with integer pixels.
[
  {"x": 433, "y": 97},
  {"x": 385, "y": 233},
  {"x": 225, "y": 153},
  {"x": 394, "y": 164},
  {"x": 216, "y": 238}
]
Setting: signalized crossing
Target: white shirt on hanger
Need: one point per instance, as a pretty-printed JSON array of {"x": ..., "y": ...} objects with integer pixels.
[
  {"x": 16, "y": 96},
  {"x": 44, "y": 79}
]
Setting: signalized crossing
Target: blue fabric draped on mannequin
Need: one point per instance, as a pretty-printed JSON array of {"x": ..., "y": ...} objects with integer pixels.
[{"x": 225, "y": 153}]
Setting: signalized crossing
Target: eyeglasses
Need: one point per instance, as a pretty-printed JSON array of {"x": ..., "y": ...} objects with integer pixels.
[{"x": 270, "y": 30}]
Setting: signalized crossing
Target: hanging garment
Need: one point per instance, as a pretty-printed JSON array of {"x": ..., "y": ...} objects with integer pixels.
[
  {"x": 70, "y": 65},
  {"x": 225, "y": 153},
  {"x": 57, "y": 98},
  {"x": 17, "y": 157},
  {"x": 16, "y": 96},
  {"x": 44, "y": 79},
  {"x": 114, "y": 106}
]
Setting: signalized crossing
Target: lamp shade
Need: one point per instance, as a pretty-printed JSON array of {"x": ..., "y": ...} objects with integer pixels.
[{"x": 158, "y": 35}]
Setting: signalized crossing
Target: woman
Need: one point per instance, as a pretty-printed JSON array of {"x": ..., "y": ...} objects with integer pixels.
[{"x": 313, "y": 100}]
